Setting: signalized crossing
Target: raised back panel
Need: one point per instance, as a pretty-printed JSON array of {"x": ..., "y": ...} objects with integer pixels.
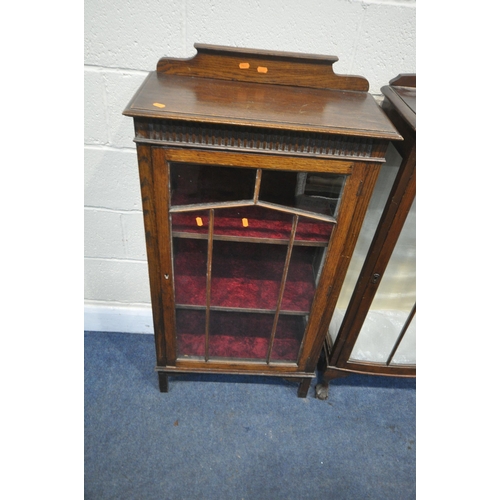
[{"x": 257, "y": 66}]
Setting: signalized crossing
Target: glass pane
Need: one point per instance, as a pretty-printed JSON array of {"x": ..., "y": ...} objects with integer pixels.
[
  {"x": 376, "y": 206},
  {"x": 306, "y": 264},
  {"x": 193, "y": 184},
  {"x": 241, "y": 335},
  {"x": 191, "y": 224},
  {"x": 378, "y": 335},
  {"x": 288, "y": 338},
  {"x": 314, "y": 192},
  {"x": 406, "y": 353},
  {"x": 190, "y": 271},
  {"x": 190, "y": 327},
  {"x": 253, "y": 222},
  {"x": 393, "y": 301},
  {"x": 300, "y": 286},
  {"x": 246, "y": 275},
  {"x": 249, "y": 252},
  {"x": 268, "y": 224},
  {"x": 313, "y": 231}
]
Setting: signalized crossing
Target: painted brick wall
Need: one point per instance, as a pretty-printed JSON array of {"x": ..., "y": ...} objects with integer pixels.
[{"x": 124, "y": 40}]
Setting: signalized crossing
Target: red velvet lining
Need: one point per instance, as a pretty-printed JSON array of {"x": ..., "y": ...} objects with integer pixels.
[
  {"x": 238, "y": 335},
  {"x": 244, "y": 275},
  {"x": 262, "y": 223}
]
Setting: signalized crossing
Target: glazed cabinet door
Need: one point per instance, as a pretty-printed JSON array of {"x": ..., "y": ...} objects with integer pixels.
[
  {"x": 248, "y": 245},
  {"x": 386, "y": 338}
]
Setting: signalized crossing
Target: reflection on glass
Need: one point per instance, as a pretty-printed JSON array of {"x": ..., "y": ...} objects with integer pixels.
[
  {"x": 190, "y": 184},
  {"x": 406, "y": 353},
  {"x": 394, "y": 300},
  {"x": 313, "y": 192},
  {"x": 378, "y": 200}
]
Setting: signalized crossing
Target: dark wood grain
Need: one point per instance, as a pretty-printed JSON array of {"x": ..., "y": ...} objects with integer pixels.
[
  {"x": 150, "y": 229},
  {"x": 404, "y": 80},
  {"x": 251, "y": 104},
  {"x": 400, "y": 102},
  {"x": 253, "y": 139},
  {"x": 164, "y": 244},
  {"x": 260, "y": 66},
  {"x": 256, "y": 161}
]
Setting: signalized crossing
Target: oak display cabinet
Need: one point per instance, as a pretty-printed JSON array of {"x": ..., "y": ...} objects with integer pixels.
[
  {"x": 256, "y": 169},
  {"x": 376, "y": 332}
]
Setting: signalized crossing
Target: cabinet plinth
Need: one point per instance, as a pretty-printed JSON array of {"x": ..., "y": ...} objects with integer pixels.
[{"x": 254, "y": 186}]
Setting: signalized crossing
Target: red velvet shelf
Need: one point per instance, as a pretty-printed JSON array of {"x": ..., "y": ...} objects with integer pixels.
[
  {"x": 238, "y": 335},
  {"x": 244, "y": 275},
  {"x": 262, "y": 224}
]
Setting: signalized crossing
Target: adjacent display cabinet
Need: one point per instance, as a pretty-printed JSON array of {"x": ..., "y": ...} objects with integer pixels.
[
  {"x": 256, "y": 169},
  {"x": 376, "y": 332}
]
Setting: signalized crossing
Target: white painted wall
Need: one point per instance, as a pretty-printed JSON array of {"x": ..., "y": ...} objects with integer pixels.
[{"x": 124, "y": 40}]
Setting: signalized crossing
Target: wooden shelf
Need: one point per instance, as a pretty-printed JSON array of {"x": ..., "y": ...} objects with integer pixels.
[{"x": 262, "y": 225}]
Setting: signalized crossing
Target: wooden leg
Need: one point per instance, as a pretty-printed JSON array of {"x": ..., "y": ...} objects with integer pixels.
[
  {"x": 163, "y": 381},
  {"x": 321, "y": 390},
  {"x": 304, "y": 387},
  {"x": 323, "y": 385}
]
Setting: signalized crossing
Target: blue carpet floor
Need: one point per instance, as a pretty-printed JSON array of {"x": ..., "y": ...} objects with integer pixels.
[{"x": 247, "y": 438}]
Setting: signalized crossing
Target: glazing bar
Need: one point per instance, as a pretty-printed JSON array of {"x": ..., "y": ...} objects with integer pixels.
[
  {"x": 402, "y": 334},
  {"x": 207, "y": 206},
  {"x": 209, "y": 280},
  {"x": 282, "y": 286},
  {"x": 296, "y": 211},
  {"x": 258, "y": 178}
]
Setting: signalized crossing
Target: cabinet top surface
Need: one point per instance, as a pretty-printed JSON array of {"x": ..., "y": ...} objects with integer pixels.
[
  {"x": 402, "y": 93},
  {"x": 282, "y": 90},
  {"x": 254, "y": 104}
]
